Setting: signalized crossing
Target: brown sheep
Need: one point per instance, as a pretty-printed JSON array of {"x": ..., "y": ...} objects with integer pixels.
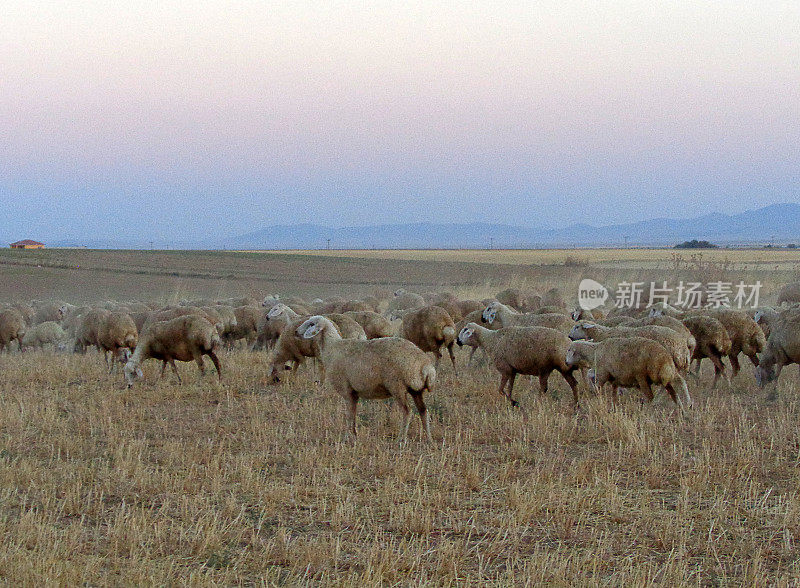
[
  {"x": 713, "y": 342},
  {"x": 247, "y": 321},
  {"x": 630, "y": 362},
  {"x": 12, "y": 328},
  {"x": 117, "y": 333},
  {"x": 88, "y": 330},
  {"x": 375, "y": 325},
  {"x": 789, "y": 293},
  {"x": 185, "y": 338},
  {"x": 498, "y": 316},
  {"x": 430, "y": 328},
  {"x": 746, "y": 336},
  {"x": 536, "y": 351},
  {"x": 782, "y": 349}
]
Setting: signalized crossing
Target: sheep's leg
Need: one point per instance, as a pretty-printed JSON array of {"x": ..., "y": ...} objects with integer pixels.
[
  {"x": 614, "y": 393},
  {"x": 719, "y": 369},
  {"x": 647, "y": 390},
  {"x": 423, "y": 414},
  {"x": 699, "y": 361},
  {"x": 503, "y": 381},
  {"x": 406, "y": 418},
  {"x": 471, "y": 354},
  {"x": 215, "y": 359},
  {"x": 438, "y": 355},
  {"x": 163, "y": 369},
  {"x": 511, "y": 389},
  {"x": 734, "y": 364},
  {"x": 175, "y": 369},
  {"x": 543, "y": 383},
  {"x": 452, "y": 358},
  {"x": 753, "y": 359},
  {"x": 352, "y": 406},
  {"x": 573, "y": 383},
  {"x": 199, "y": 360}
]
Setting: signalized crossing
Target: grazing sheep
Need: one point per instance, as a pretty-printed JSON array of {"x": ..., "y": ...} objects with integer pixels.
[
  {"x": 117, "y": 332},
  {"x": 46, "y": 333},
  {"x": 375, "y": 325},
  {"x": 388, "y": 367},
  {"x": 185, "y": 338},
  {"x": 581, "y": 314},
  {"x": 12, "y": 328},
  {"x": 247, "y": 321},
  {"x": 768, "y": 318},
  {"x": 782, "y": 348},
  {"x": 514, "y": 298},
  {"x": 713, "y": 342},
  {"x": 430, "y": 328},
  {"x": 53, "y": 312},
  {"x": 403, "y": 300},
  {"x": 789, "y": 293},
  {"x": 499, "y": 316},
  {"x": 679, "y": 346},
  {"x": 553, "y": 297},
  {"x": 88, "y": 330},
  {"x": 746, "y": 336},
  {"x": 170, "y": 313},
  {"x": 536, "y": 351},
  {"x": 228, "y": 316},
  {"x": 26, "y": 310},
  {"x": 630, "y": 362}
]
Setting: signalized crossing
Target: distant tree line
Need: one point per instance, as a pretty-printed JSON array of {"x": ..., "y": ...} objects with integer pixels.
[{"x": 695, "y": 244}]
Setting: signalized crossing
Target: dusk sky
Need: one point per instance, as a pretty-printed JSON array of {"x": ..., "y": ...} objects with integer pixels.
[{"x": 207, "y": 119}]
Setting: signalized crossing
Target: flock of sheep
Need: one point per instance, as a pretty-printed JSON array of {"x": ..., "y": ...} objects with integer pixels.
[{"x": 390, "y": 345}]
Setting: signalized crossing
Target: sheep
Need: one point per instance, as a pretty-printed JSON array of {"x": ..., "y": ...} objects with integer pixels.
[
  {"x": 789, "y": 293},
  {"x": 117, "y": 332},
  {"x": 581, "y": 314},
  {"x": 49, "y": 312},
  {"x": 375, "y": 325},
  {"x": 185, "y": 338},
  {"x": 746, "y": 336},
  {"x": 228, "y": 316},
  {"x": 289, "y": 347},
  {"x": 499, "y": 316},
  {"x": 616, "y": 321},
  {"x": 247, "y": 321},
  {"x": 679, "y": 346},
  {"x": 403, "y": 300},
  {"x": 388, "y": 367},
  {"x": 514, "y": 298},
  {"x": 768, "y": 318},
  {"x": 26, "y": 310},
  {"x": 472, "y": 317},
  {"x": 46, "y": 333},
  {"x": 88, "y": 330},
  {"x": 536, "y": 351},
  {"x": 782, "y": 348},
  {"x": 430, "y": 328},
  {"x": 174, "y": 312},
  {"x": 553, "y": 297},
  {"x": 348, "y": 327},
  {"x": 630, "y": 362},
  {"x": 713, "y": 342},
  {"x": 12, "y": 328},
  {"x": 468, "y": 306},
  {"x": 550, "y": 309}
]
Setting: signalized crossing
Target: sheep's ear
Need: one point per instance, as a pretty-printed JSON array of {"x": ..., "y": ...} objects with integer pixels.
[{"x": 312, "y": 331}]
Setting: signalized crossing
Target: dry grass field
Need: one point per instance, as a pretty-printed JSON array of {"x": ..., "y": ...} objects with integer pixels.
[{"x": 240, "y": 483}]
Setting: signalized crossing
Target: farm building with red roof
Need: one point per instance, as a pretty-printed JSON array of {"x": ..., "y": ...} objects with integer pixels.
[{"x": 27, "y": 244}]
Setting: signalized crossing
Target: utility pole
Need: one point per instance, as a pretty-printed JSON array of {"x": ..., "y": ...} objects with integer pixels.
[
  {"x": 151, "y": 245},
  {"x": 328, "y": 244},
  {"x": 626, "y": 237},
  {"x": 491, "y": 242}
]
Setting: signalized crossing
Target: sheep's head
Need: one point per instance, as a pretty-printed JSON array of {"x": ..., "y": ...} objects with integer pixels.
[
  {"x": 399, "y": 292},
  {"x": 312, "y": 327},
  {"x": 576, "y": 314},
  {"x": 764, "y": 375},
  {"x": 273, "y": 377},
  {"x": 277, "y": 311},
  {"x": 578, "y": 331},
  {"x": 132, "y": 371},
  {"x": 656, "y": 311},
  {"x": 465, "y": 335},
  {"x": 574, "y": 356},
  {"x": 490, "y": 312}
]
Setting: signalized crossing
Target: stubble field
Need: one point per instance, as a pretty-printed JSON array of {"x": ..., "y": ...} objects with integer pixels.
[{"x": 240, "y": 483}]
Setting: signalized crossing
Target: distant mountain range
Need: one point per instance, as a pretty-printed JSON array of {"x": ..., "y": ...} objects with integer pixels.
[{"x": 778, "y": 222}]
